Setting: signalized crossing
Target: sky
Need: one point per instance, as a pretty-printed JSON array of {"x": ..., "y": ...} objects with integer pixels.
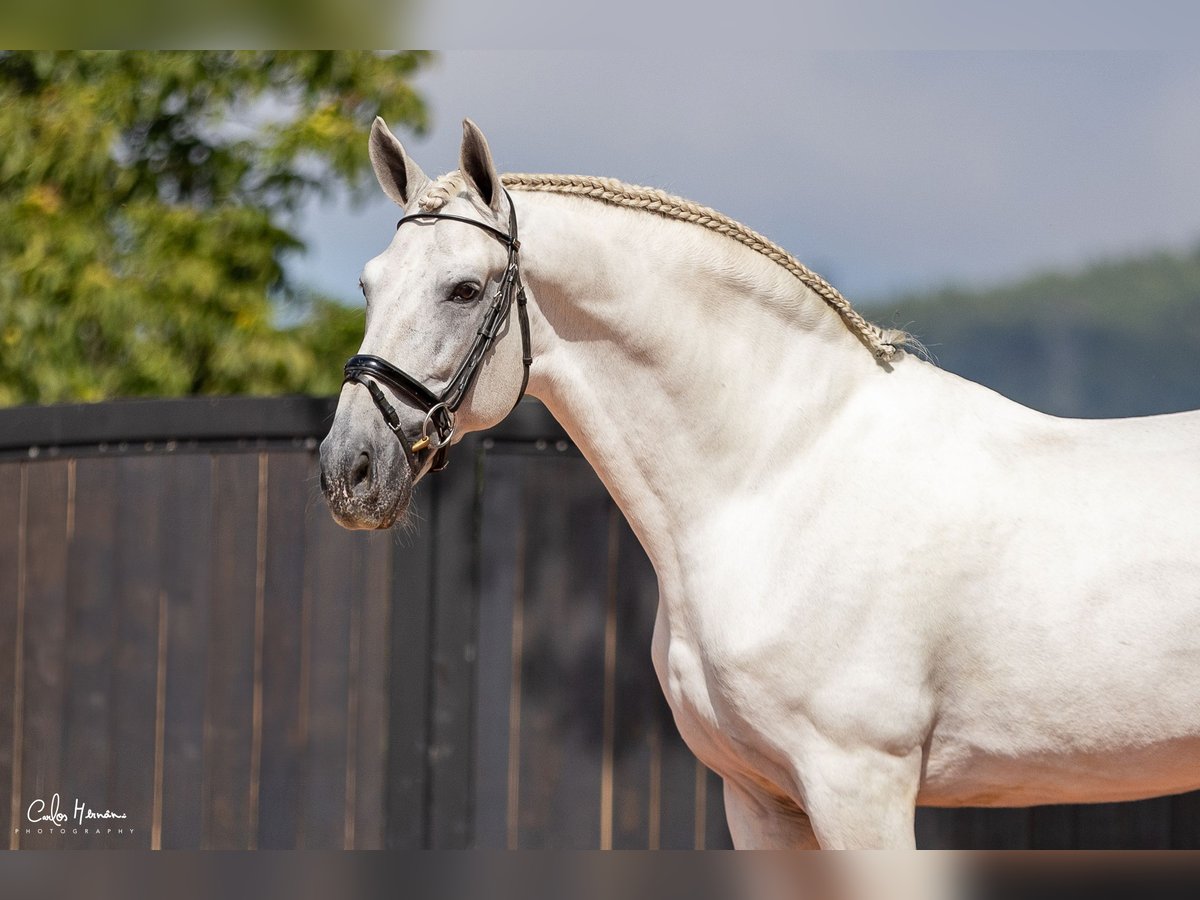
[{"x": 887, "y": 172}]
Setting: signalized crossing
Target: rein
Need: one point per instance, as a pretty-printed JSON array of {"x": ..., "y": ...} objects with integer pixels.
[{"x": 439, "y": 408}]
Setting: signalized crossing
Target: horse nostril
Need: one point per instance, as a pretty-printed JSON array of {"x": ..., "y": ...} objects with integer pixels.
[
  {"x": 324, "y": 481},
  {"x": 360, "y": 475}
]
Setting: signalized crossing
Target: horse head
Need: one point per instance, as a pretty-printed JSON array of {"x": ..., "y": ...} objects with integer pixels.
[{"x": 439, "y": 357}]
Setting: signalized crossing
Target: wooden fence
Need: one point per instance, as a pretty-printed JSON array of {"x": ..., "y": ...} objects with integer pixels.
[{"x": 188, "y": 640}]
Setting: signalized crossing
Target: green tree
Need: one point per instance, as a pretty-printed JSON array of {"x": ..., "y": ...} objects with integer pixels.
[{"x": 146, "y": 210}]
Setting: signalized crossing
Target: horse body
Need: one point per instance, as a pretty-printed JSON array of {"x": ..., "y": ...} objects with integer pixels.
[
  {"x": 882, "y": 563},
  {"x": 880, "y": 585}
]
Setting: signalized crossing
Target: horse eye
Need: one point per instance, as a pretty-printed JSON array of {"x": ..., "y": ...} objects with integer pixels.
[
  {"x": 465, "y": 292},
  {"x": 362, "y": 287}
]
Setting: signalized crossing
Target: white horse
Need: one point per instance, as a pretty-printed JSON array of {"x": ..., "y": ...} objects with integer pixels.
[{"x": 881, "y": 585}]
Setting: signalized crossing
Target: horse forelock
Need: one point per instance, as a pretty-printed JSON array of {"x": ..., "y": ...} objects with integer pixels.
[{"x": 441, "y": 191}]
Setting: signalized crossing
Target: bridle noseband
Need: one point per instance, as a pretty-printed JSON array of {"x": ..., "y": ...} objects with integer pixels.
[{"x": 439, "y": 409}]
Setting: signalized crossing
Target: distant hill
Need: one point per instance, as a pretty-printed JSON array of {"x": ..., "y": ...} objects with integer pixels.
[{"x": 1118, "y": 338}]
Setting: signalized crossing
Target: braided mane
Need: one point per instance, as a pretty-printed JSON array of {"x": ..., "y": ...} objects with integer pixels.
[{"x": 884, "y": 343}]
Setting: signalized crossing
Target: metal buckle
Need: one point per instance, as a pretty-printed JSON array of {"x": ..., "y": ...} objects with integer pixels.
[{"x": 430, "y": 441}]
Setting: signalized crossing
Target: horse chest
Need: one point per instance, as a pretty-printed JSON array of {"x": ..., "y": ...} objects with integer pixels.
[
  {"x": 718, "y": 726},
  {"x": 681, "y": 674}
]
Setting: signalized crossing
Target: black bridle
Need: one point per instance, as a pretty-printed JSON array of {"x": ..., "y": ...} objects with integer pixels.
[{"x": 440, "y": 408}]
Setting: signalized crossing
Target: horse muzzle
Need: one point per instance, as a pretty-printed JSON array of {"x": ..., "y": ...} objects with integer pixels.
[{"x": 367, "y": 485}]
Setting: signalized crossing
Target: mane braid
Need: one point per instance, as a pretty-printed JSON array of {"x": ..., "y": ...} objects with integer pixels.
[
  {"x": 440, "y": 192},
  {"x": 885, "y": 344}
]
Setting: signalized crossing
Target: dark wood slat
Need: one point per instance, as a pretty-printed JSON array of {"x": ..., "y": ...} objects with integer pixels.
[
  {"x": 371, "y": 740},
  {"x": 668, "y": 774},
  {"x": 45, "y": 646},
  {"x": 1053, "y": 827},
  {"x": 135, "y": 653},
  {"x": 338, "y": 580},
  {"x": 501, "y": 524},
  {"x": 1144, "y": 825},
  {"x": 187, "y": 554},
  {"x": 542, "y": 758},
  {"x": 581, "y": 615},
  {"x": 186, "y": 418},
  {"x": 562, "y": 704},
  {"x": 998, "y": 829},
  {"x": 678, "y": 818},
  {"x": 214, "y": 419},
  {"x": 637, "y": 695},
  {"x": 291, "y": 489},
  {"x": 453, "y": 652},
  {"x": 93, "y": 617},
  {"x": 10, "y": 547},
  {"x": 228, "y": 714},
  {"x": 972, "y": 829},
  {"x": 409, "y": 680},
  {"x": 350, "y": 731},
  {"x": 935, "y": 828},
  {"x": 716, "y": 829},
  {"x": 1185, "y": 821}
]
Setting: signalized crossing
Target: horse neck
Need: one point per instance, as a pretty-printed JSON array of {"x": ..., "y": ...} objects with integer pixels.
[{"x": 680, "y": 363}]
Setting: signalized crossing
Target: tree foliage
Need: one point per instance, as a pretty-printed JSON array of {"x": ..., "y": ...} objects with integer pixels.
[{"x": 145, "y": 210}]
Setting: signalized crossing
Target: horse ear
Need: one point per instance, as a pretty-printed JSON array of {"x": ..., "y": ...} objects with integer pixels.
[
  {"x": 475, "y": 163},
  {"x": 400, "y": 177}
]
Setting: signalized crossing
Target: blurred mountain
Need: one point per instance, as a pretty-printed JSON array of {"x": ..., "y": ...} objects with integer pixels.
[{"x": 1118, "y": 338}]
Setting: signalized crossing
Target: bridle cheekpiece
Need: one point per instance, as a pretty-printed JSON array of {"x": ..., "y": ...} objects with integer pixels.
[{"x": 437, "y": 428}]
